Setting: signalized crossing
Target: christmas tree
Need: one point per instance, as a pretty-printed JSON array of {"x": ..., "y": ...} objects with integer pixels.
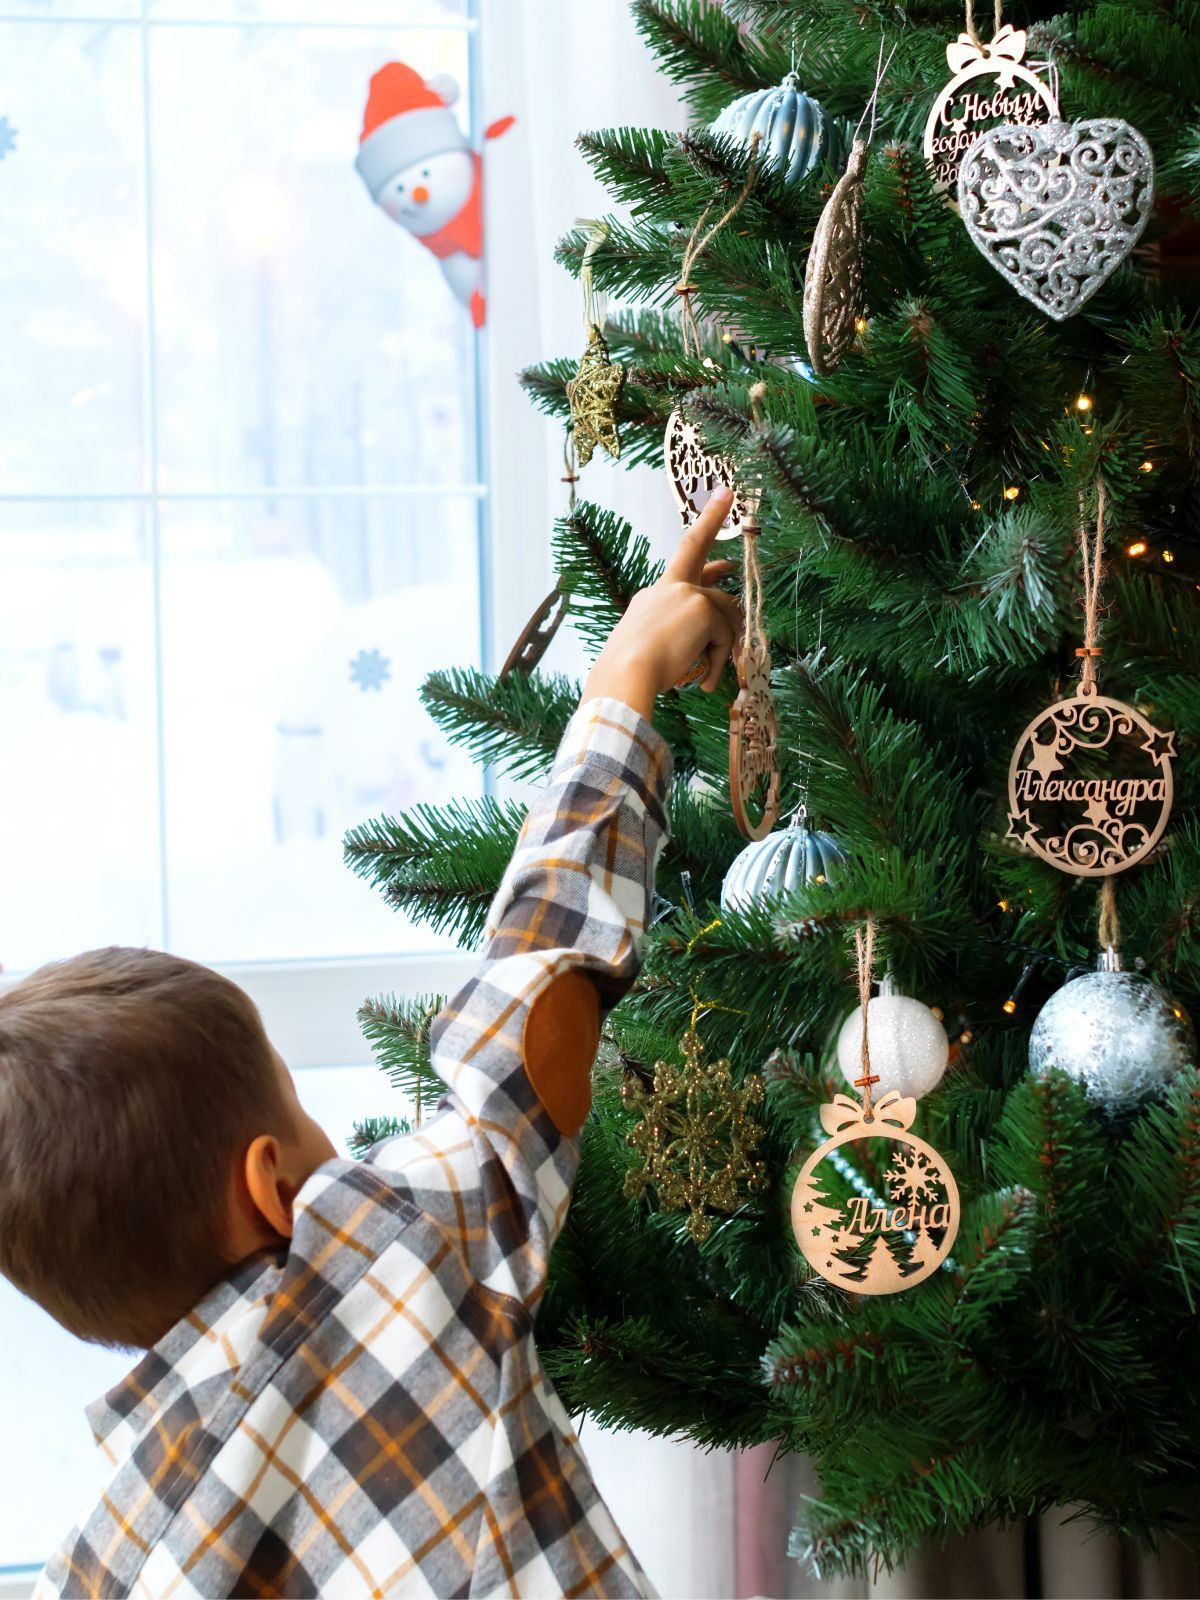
[{"x": 921, "y": 567}]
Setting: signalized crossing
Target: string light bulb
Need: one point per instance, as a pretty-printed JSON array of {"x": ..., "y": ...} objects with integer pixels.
[
  {"x": 1168, "y": 556},
  {"x": 1146, "y": 466},
  {"x": 1009, "y": 1007},
  {"x": 860, "y": 324},
  {"x": 1011, "y": 492},
  {"x": 1137, "y": 548},
  {"x": 1084, "y": 403}
]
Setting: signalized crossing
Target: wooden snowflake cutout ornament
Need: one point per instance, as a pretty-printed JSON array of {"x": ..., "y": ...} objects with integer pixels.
[{"x": 696, "y": 1136}]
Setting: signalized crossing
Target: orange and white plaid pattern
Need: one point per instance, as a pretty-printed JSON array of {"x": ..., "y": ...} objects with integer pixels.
[{"x": 368, "y": 1414}]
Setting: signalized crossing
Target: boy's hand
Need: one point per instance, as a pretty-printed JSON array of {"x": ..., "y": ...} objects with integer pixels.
[{"x": 666, "y": 627}]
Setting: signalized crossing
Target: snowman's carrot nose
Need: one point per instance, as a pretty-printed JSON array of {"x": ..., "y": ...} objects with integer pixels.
[{"x": 420, "y": 194}]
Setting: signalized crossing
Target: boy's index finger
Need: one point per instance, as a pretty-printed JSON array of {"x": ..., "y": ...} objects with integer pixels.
[{"x": 687, "y": 564}]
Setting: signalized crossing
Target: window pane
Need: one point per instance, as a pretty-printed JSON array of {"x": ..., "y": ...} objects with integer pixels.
[
  {"x": 72, "y": 260},
  {"x": 50, "y": 1471},
  {"x": 296, "y": 633},
  {"x": 78, "y": 811},
  {"x": 303, "y": 337}
]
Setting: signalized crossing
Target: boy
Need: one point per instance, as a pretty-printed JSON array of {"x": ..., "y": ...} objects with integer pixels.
[{"x": 341, "y": 1393}]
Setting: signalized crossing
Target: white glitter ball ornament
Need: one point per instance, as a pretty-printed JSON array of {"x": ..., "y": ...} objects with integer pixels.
[
  {"x": 1116, "y": 1033},
  {"x": 909, "y": 1047}
]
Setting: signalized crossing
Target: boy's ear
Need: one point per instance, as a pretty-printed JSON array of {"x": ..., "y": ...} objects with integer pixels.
[{"x": 266, "y": 1184}]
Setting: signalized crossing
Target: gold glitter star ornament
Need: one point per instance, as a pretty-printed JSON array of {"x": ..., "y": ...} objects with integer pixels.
[
  {"x": 593, "y": 394},
  {"x": 695, "y": 1137}
]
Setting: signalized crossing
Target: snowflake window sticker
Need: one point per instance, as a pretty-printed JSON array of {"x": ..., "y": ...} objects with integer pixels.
[
  {"x": 370, "y": 669},
  {"x": 8, "y": 138}
]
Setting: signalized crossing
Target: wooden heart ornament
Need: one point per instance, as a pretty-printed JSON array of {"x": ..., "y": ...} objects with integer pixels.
[{"x": 1056, "y": 208}]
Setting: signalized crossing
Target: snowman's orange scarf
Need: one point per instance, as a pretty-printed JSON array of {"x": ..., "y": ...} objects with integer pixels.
[{"x": 465, "y": 231}]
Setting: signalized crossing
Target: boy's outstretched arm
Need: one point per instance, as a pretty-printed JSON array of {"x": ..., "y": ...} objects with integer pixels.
[{"x": 564, "y": 933}]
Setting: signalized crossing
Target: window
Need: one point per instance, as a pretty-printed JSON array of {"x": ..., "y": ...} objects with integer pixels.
[
  {"x": 241, "y": 498},
  {"x": 241, "y": 517}
]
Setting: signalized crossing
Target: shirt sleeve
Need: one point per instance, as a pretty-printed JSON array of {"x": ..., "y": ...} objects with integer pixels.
[{"x": 574, "y": 899}]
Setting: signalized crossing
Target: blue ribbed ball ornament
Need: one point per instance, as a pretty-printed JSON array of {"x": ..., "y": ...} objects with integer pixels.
[
  {"x": 785, "y": 860},
  {"x": 797, "y": 135}
]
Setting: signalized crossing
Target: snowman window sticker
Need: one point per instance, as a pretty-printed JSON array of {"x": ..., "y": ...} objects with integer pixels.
[{"x": 419, "y": 169}]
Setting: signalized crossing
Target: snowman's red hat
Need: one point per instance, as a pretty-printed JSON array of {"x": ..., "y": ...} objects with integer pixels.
[{"x": 407, "y": 120}]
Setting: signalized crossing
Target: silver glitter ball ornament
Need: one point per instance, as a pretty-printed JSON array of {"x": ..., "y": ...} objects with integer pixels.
[
  {"x": 796, "y": 135},
  {"x": 908, "y": 1045},
  {"x": 783, "y": 861},
  {"x": 1116, "y": 1033},
  {"x": 1056, "y": 207}
]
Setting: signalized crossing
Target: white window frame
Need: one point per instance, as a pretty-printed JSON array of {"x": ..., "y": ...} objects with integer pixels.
[{"x": 309, "y": 1007}]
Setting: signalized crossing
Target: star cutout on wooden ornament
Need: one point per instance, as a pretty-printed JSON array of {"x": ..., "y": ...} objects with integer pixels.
[
  {"x": 1044, "y": 759},
  {"x": 593, "y": 393},
  {"x": 1020, "y": 825},
  {"x": 1097, "y": 811},
  {"x": 1160, "y": 744}
]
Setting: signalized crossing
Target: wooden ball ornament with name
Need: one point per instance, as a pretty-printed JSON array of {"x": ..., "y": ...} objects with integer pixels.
[
  {"x": 1090, "y": 785},
  {"x": 969, "y": 104},
  {"x": 863, "y": 1242},
  {"x": 694, "y": 471}
]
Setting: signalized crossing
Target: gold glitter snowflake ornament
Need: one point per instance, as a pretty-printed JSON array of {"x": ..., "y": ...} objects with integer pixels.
[{"x": 695, "y": 1136}]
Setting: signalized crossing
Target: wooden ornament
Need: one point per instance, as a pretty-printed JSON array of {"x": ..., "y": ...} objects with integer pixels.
[
  {"x": 833, "y": 302},
  {"x": 969, "y": 104},
  {"x": 534, "y": 638},
  {"x": 753, "y": 723},
  {"x": 1090, "y": 785},
  {"x": 694, "y": 472},
  {"x": 753, "y": 737},
  {"x": 863, "y": 1243}
]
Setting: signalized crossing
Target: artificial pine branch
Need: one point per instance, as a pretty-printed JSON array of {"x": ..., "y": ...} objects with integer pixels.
[
  {"x": 513, "y": 723},
  {"x": 398, "y": 1032},
  {"x": 441, "y": 865}
]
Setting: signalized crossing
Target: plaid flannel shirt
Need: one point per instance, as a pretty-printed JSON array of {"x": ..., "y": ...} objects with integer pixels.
[{"x": 368, "y": 1414}]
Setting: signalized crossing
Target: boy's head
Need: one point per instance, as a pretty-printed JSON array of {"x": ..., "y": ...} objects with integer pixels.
[{"x": 150, "y": 1137}]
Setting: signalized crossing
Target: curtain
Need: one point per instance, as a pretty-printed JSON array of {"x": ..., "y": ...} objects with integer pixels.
[{"x": 703, "y": 1523}]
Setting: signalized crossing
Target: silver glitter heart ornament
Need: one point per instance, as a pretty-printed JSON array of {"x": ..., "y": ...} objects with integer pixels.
[{"x": 1057, "y": 207}]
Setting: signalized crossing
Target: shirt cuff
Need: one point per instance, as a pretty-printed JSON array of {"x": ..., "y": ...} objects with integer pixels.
[{"x": 606, "y": 731}]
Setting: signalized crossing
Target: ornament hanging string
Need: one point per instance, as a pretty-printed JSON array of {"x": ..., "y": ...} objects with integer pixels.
[
  {"x": 570, "y": 469},
  {"x": 754, "y": 634},
  {"x": 698, "y": 244},
  {"x": 872, "y": 105},
  {"x": 996, "y": 19},
  {"x": 1109, "y": 931},
  {"x": 1091, "y": 550},
  {"x": 595, "y": 304},
  {"x": 864, "y": 950}
]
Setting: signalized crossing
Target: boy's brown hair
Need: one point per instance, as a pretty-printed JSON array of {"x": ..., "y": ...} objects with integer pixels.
[{"x": 130, "y": 1082}]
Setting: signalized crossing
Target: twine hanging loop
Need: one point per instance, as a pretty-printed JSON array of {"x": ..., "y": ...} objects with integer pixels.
[
  {"x": 864, "y": 951},
  {"x": 1091, "y": 553}
]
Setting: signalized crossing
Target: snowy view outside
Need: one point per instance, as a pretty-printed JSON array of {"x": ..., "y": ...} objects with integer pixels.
[{"x": 240, "y": 503}]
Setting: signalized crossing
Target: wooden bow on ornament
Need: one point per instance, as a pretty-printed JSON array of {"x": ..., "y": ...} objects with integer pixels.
[{"x": 843, "y": 1111}]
